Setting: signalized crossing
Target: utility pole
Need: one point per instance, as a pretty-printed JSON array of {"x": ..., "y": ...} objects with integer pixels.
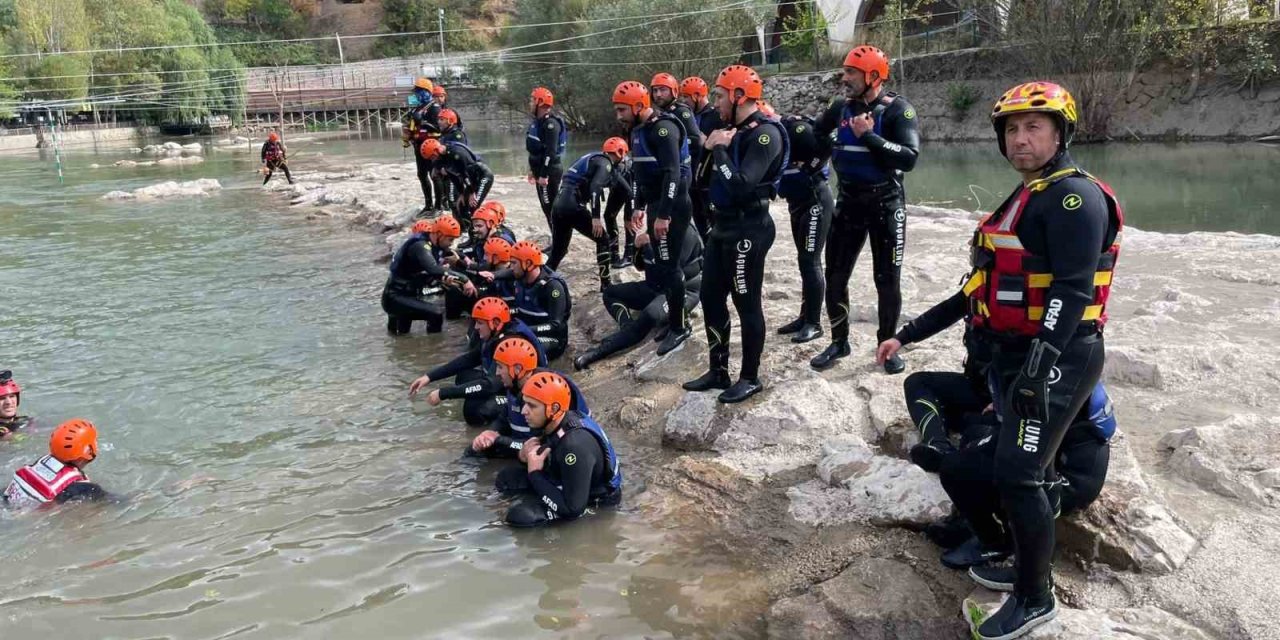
[{"x": 441, "y": 15}]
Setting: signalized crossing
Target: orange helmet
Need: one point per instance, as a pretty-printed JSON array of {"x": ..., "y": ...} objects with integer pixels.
[
  {"x": 447, "y": 226},
  {"x": 497, "y": 250},
  {"x": 739, "y": 77},
  {"x": 488, "y": 216},
  {"x": 431, "y": 148},
  {"x": 273, "y": 136},
  {"x": 423, "y": 226},
  {"x": 424, "y": 83},
  {"x": 542, "y": 96},
  {"x": 552, "y": 390},
  {"x": 665, "y": 80},
  {"x": 1037, "y": 97},
  {"x": 497, "y": 208},
  {"x": 869, "y": 60},
  {"x": 490, "y": 310},
  {"x": 616, "y": 145},
  {"x": 693, "y": 87},
  {"x": 632, "y": 94},
  {"x": 73, "y": 440},
  {"x": 516, "y": 352},
  {"x": 448, "y": 117},
  {"x": 528, "y": 254},
  {"x": 439, "y": 92}
]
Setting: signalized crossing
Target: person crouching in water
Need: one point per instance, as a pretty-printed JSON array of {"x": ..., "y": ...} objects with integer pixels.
[
  {"x": 58, "y": 477},
  {"x": 574, "y": 469},
  {"x": 273, "y": 158}
]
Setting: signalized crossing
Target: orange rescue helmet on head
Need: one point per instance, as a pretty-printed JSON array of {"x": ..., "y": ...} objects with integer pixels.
[
  {"x": 273, "y": 137},
  {"x": 423, "y": 226},
  {"x": 424, "y": 83},
  {"x": 493, "y": 311},
  {"x": 488, "y": 216},
  {"x": 431, "y": 148},
  {"x": 632, "y": 94},
  {"x": 448, "y": 117},
  {"x": 447, "y": 226},
  {"x": 616, "y": 145},
  {"x": 528, "y": 254},
  {"x": 439, "y": 92},
  {"x": 665, "y": 80},
  {"x": 517, "y": 355},
  {"x": 552, "y": 390},
  {"x": 75, "y": 439},
  {"x": 693, "y": 87},
  {"x": 737, "y": 77},
  {"x": 869, "y": 60},
  {"x": 497, "y": 250},
  {"x": 542, "y": 97},
  {"x": 497, "y": 208}
]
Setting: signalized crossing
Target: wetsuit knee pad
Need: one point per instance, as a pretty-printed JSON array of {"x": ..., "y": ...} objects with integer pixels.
[{"x": 527, "y": 514}]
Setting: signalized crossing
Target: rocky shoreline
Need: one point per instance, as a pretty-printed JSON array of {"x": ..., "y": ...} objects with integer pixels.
[{"x": 810, "y": 478}]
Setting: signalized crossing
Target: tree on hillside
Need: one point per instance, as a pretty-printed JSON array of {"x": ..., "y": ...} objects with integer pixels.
[{"x": 416, "y": 16}]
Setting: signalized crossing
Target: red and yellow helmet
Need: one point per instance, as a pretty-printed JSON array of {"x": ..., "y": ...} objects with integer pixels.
[{"x": 1037, "y": 97}]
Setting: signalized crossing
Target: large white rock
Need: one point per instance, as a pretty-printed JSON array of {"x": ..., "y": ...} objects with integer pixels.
[
  {"x": 858, "y": 485},
  {"x": 1225, "y": 458},
  {"x": 193, "y": 188},
  {"x": 180, "y": 160}
]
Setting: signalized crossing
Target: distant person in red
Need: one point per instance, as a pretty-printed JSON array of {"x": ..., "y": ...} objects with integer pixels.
[
  {"x": 10, "y": 398},
  {"x": 273, "y": 158},
  {"x": 58, "y": 477}
]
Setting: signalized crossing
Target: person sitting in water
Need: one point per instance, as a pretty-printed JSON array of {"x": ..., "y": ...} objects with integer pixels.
[
  {"x": 10, "y": 398},
  {"x": 541, "y": 296},
  {"x": 474, "y": 371},
  {"x": 517, "y": 361},
  {"x": 646, "y": 296},
  {"x": 58, "y": 477},
  {"x": 571, "y": 468},
  {"x": 274, "y": 158},
  {"x": 419, "y": 263}
]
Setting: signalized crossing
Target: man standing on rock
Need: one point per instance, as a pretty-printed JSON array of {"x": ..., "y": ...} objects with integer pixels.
[
  {"x": 747, "y": 160},
  {"x": 809, "y": 203},
  {"x": 421, "y": 123},
  {"x": 545, "y": 141},
  {"x": 876, "y": 141},
  {"x": 1043, "y": 264},
  {"x": 660, "y": 170}
]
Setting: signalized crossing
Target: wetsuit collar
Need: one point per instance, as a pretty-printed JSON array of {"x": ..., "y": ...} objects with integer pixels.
[{"x": 1061, "y": 160}]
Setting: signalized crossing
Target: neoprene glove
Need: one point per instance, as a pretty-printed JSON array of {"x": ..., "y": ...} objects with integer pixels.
[{"x": 1029, "y": 395}]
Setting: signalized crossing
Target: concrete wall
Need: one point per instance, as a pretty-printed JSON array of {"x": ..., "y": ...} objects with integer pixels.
[{"x": 75, "y": 138}]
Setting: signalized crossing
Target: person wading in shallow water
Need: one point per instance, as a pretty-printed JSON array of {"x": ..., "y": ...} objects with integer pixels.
[{"x": 1036, "y": 296}]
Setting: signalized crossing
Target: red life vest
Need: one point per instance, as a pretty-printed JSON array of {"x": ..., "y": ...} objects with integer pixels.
[
  {"x": 41, "y": 482},
  {"x": 1006, "y": 289}
]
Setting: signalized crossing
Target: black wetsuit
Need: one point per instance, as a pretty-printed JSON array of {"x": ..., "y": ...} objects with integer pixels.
[
  {"x": 809, "y": 203},
  {"x": 543, "y": 142},
  {"x": 621, "y": 198},
  {"x": 415, "y": 266},
  {"x": 483, "y": 396},
  {"x": 576, "y": 477},
  {"x": 1069, "y": 241},
  {"x": 273, "y": 156},
  {"x": 742, "y": 183},
  {"x": 423, "y": 123},
  {"x": 708, "y": 120},
  {"x": 438, "y": 182},
  {"x": 871, "y": 205},
  {"x": 648, "y": 298},
  {"x": 661, "y": 174},
  {"x": 577, "y": 206},
  {"x": 545, "y": 306},
  {"x": 466, "y": 175}
]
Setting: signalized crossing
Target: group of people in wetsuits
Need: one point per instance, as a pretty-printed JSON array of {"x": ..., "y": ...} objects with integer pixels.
[
  {"x": 55, "y": 478},
  {"x": 1019, "y": 437}
]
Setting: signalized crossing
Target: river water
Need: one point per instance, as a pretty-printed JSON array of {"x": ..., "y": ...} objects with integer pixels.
[{"x": 277, "y": 482}]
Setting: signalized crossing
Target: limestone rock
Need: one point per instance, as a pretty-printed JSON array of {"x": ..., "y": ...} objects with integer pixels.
[
  {"x": 857, "y": 485},
  {"x": 192, "y": 188},
  {"x": 1128, "y": 527}
]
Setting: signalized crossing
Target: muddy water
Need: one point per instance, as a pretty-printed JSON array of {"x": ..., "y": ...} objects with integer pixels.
[{"x": 274, "y": 479}]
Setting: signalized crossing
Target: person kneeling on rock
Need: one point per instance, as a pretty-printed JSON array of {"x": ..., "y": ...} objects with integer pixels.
[
  {"x": 648, "y": 296},
  {"x": 418, "y": 263},
  {"x": 273, "y": 158},
  {"x": 475, "y": 372},
  {"x": 58, "y": 477},
  {"x": 570, "y": 469},
  {"x": 1072, "y": 482}
]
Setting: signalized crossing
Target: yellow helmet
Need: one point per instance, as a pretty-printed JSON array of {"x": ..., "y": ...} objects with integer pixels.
[
  {"x": 424, "y": 83},
  {"x": 1037, "y": 97}
]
